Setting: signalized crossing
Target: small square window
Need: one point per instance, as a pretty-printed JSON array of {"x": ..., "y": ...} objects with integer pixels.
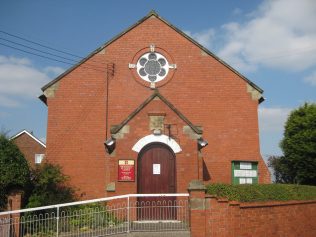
[{"x": 39, "y": 158}]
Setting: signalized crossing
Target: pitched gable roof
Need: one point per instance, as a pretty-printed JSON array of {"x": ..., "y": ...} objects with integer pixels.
[
  {"x": 156, "y": 93},
  {"x": 30, "y": 135},
  {"x": 150, "y": 14}
]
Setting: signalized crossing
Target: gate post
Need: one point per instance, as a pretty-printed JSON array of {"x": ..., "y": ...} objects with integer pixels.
[
  {"x": 14, "y": 203},
  {"x": 197, "y": 208}
]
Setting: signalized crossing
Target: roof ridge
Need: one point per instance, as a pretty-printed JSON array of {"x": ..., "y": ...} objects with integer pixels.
[
  {"x": 151, "y": 13},
  {"x": 29, "y": 134}
]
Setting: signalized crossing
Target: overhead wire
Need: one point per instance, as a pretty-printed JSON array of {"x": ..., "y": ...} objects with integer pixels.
[
  {"x": 270, "y": 57},
  {"x": 38, "y": 50},
  {"x": 46, "y": 57},
  {"x": 25, "y": 51},
  {"x": 42, "y": 45},
  {"x": 79, "y": 58},
  {"x": 45, "y": 46},
  {"x": 45, "y": 52},
  {"x": 109, "y": 68}
]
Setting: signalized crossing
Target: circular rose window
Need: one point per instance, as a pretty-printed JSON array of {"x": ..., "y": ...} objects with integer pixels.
[{"x": 152, "y": 67}]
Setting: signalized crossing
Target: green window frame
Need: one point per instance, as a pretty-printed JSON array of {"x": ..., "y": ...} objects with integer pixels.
[{"x": 244, "y": 172}]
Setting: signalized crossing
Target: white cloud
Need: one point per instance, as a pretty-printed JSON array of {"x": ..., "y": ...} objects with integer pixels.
[
  {"x": 54, "y": 71},
  {"x": 205, "y": 37},
  {"x": 279, "y": 34},
  {"x": 19, "y": 80},
  {"x": 14, "y": 60},
  {"x": 237, "y": 11},
  {"x": 311, "y": 79},
  {"x": 7, "y": 101},
  {"x": 273, "y": 119}
]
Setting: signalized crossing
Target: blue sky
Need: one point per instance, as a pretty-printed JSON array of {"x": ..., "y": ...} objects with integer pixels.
[{"x": 273, "y": 43}]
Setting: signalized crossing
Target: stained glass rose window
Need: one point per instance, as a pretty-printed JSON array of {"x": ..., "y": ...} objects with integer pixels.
[{"x": 152, "y": 67}]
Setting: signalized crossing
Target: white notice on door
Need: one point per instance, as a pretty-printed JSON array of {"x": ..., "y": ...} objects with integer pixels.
[{"x": 156, "y": 168}]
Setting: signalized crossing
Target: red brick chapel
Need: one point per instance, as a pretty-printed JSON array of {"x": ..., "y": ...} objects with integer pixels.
[{"x": 151, "y": 110}]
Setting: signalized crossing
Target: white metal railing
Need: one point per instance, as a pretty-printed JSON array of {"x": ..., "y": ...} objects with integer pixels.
[{"x": 99, "y": 217}]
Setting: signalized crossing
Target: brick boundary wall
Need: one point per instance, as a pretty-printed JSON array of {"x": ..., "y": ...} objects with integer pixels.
[
  {"x": 223, "y": 218},
  {"x": 214, "y": 217}
]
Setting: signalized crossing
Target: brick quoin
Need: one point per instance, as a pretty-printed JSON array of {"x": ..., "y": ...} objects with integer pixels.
[{"x": 203, "y": 89}]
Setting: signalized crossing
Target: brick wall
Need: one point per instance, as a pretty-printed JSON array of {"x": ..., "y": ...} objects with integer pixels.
[
  {"x": 29, "y": 147},
  {"x": 204, "y": 90},
  {"x": 213, "y": 217},
  {"x": 229, "y": 219}
]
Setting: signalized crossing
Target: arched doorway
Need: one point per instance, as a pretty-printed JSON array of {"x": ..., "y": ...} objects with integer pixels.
[{"x": 156, "y": 174}]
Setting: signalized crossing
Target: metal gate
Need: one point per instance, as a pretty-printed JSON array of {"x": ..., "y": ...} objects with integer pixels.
[{"x": 99, "y": 217}]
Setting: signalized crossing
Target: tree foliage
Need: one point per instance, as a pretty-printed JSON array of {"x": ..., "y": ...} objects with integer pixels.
[
  {"x": 281, "y": 171},
  {"x": 50, "y": 186},
  {"x": 44, "y": 185},
  {"x": 298, "y": 163},
  {"x": 14, "y": 170}
]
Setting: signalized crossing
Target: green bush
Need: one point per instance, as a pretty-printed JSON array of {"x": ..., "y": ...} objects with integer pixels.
[
  {"x": 90, "y": 217},
  {"x": 298, "y": 164},
  {"x": 263, "y": 192},
  {"x": 50, "y": 186},
  {"x": 14, "y": 170},
  {"x": 82, "y": 218}
]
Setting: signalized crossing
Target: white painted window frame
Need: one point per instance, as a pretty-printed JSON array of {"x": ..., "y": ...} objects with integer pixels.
[{"x": 38, "y": 158}]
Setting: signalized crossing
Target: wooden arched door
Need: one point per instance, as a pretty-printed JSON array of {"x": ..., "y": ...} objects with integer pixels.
[{"x": 156, "y": 174}]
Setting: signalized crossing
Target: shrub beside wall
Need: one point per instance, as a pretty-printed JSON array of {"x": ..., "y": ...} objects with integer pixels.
[
  {"x": 263, "y": 192},
  {"x": 257, "y": 210}
]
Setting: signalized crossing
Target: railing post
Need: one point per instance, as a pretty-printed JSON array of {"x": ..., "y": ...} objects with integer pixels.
[
  {"x": 128, "y": 220},
  {"x": 57, "y": 220}
]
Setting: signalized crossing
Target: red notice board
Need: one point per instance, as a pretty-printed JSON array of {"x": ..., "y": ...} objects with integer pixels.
[{"x": 126, "y": 170}]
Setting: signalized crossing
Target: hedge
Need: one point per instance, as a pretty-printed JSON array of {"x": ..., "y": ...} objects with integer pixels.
[{"x": 263, "y": 192}]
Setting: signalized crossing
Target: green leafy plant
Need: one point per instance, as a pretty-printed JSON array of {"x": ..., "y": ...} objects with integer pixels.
[
  {"x": 14, "y": 170},
  {"x": 89, "y": 217},
  {"x": 72, "y": 219},
  {"x": 298, "y": 164},
  {"x": 263, "y": 192},
  {"x": 50, "y": 186}
]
